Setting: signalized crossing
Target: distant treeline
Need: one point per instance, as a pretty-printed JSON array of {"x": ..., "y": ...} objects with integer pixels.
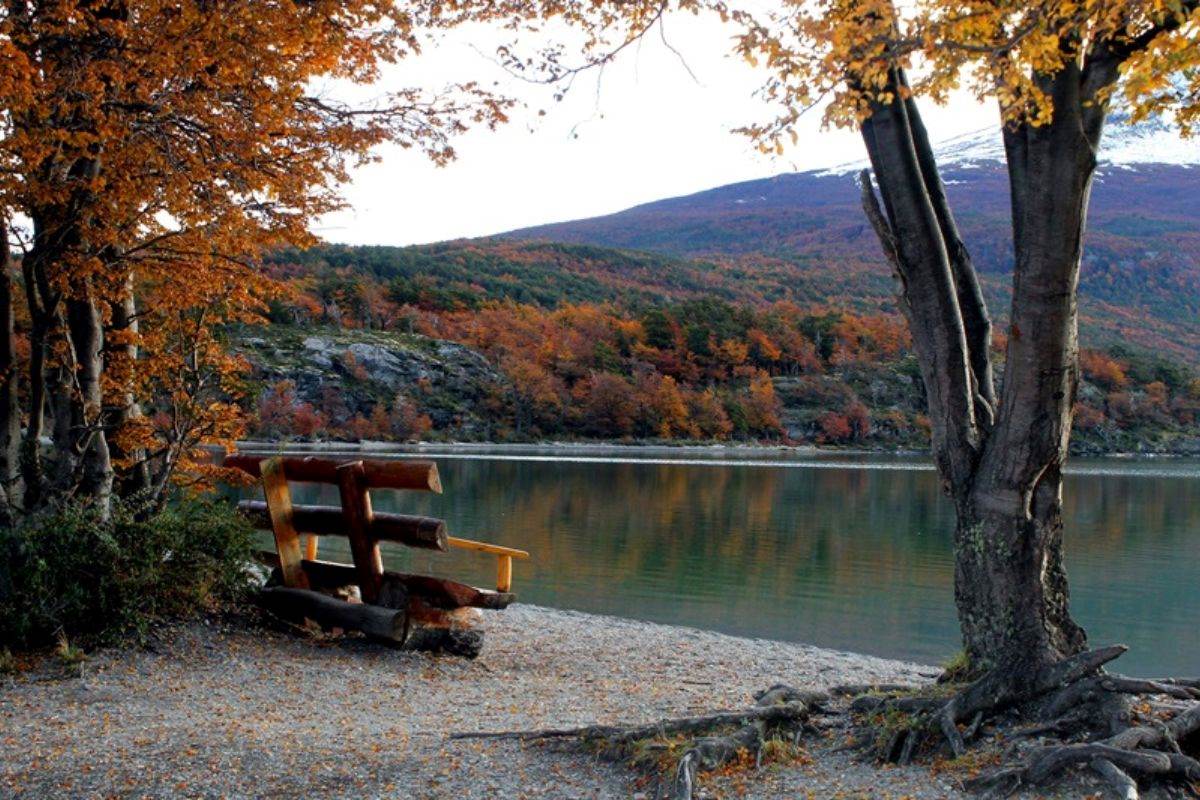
[{"x": 584, "y": 358}]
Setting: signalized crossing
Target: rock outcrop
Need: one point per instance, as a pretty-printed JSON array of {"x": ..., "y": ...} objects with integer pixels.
[{"x": 348, "y": 372}]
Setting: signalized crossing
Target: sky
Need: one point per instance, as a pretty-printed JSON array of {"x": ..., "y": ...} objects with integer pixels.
[{"x": 651, "y": 126}]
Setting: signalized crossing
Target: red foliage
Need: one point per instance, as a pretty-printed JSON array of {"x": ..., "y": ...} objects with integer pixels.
[
  {"x": 835, "y": 428},
  {"x": 605, "y": 405}
]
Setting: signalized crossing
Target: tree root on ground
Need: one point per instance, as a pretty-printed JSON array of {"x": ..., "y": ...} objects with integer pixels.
[
  {"x": 1041, "y": 726},
  {"x": 1088, "y": 714},
  {"x": 708, "y": 742}
]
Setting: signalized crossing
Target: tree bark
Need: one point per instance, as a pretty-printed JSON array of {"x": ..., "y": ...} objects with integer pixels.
[
  {"x": 1015, "y": 503},
  {"x": 87, "y": 436},
  {"x": 1001, "y": 459},
  {"x": 32, "y": 470},
  {"x": 915, "y": 239},
  {"x": 135, "y": 477},
  {"x": 11, "y": 484}
]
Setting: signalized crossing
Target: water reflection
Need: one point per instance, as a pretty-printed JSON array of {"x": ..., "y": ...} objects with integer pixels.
[{"x": 849, "y": 555}]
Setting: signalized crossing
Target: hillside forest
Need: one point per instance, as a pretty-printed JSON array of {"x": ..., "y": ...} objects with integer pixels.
[{"x": 588, "y": 343}]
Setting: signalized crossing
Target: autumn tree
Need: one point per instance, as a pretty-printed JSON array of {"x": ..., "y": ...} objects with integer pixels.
[
  {"x": 606, "y": 405},
  {"x": 762, "y": 407},
  {"x": 661, "y": 409},
  {"x": 707, "y": 414},
  {"x": 1054, "y": 69},
  {"x": 153, "y": 147}
]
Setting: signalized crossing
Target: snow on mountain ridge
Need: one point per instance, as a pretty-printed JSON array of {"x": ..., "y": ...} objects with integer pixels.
[{"x": 1123, "y": 145}]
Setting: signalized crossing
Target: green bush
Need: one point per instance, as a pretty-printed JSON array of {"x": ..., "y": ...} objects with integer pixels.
[{"x": 71, "y": 573}]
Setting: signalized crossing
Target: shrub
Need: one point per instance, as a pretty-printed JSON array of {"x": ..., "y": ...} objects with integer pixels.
[
  {"x": 835, "y": 428},
  {"x": 70, "y": 574}
]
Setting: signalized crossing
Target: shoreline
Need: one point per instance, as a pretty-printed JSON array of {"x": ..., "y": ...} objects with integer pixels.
[
  {"x": 732, "y": 452},
  {"x": 228, "y": 710}
]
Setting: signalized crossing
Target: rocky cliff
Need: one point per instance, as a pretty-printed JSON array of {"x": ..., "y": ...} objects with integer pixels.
[{"x": 347, "y": 373}]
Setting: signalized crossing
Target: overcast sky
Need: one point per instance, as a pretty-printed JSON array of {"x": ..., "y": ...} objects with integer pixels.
[{"x": 644, "y": 130}]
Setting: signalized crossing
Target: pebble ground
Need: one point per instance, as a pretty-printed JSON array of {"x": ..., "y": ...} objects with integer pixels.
[{"x": 214, "y": 711}]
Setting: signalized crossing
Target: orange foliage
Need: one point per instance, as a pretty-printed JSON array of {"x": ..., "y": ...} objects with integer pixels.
[
  {"x": 662, "y": 411},
  {"x": 859, "y": 417},
  {"x": 709, "y": 419},
  {"x": 762, "y": 349},
  {"x": 1103, "y": 370},
  {"x": 708, "y": 369},
  {"x": 157, "y": 148},
  {"x": 606, "y": 405},
  {"x": 762, "y": 407}
]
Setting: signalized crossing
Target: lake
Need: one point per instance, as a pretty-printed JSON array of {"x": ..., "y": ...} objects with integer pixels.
[{"x": 851, "y": 552}]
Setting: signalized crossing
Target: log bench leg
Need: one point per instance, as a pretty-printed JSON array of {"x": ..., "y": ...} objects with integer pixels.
[
  {"x": 287, "y": 540},
  {"x": 503, "y": 573},
  {"x": 356, "y": 510},
  {"x": 296, "y": 605}
]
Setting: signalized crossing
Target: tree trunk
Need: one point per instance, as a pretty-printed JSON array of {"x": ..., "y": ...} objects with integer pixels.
[
  {"x": 82, "y": 464},
  {"x": 1009, "y": 584},
  {"x": 32, "y": 469},
  {"x": 11, "y": 485},
  {"x": 915, "y": 237},
  {"x": 89, "y": 437},
  {"x": 135, "y": 473},
  {"x": 1013, "y": 598},
  {"x": 1000, "y": 459}
]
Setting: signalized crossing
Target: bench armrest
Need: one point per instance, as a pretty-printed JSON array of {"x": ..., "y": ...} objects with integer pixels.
[{"x": 504, "y": 557}]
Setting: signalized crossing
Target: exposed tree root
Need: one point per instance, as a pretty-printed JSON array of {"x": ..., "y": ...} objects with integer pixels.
[
  {"x": 1150, "y": 750},
  {"x": 1087, "y": 714},
  {"x": 1041, "y": 724},
  {"x": 1123, "y": 786},
  {"x": 708, "y": 742}
]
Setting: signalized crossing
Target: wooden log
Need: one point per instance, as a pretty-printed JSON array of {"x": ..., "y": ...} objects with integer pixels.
[
  {"x": 400, "y": 474},
  {"x": 426, "y": 533},
  {"x": 441, "y": 593},
  {"x": 356, "y": 510},
  {"x": 422, "y": 614},
  {"x": 287, "y": 540},
  {"x": 430, "y": 630},
  {"x": 451, "y": 641},
  {"x": 296, "y": 605},
  {"x": 448, "y": 594}
]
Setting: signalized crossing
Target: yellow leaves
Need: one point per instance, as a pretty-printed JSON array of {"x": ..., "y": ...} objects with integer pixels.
[
  {"x": 842, "y": 53},
  {"x": 1165, "y": 75}
]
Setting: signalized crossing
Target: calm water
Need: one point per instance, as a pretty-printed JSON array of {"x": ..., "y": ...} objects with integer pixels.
[{"x": 843, "y": 552}]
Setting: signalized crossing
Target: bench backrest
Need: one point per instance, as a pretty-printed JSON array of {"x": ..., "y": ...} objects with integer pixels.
[{"x": 355, "y": 519}]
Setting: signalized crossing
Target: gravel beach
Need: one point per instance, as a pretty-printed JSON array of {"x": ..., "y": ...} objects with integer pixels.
[{"x": 217, "y": 711}]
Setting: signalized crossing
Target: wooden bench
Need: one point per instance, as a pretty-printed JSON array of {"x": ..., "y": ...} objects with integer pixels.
[{"x": 416, "y": 611}]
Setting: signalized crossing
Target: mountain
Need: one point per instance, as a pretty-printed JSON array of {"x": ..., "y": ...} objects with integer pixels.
[
  {"x": 1125, "y": 145},
  {"x": 802, "y": 236},
  {"x": 665, "y": 320}
]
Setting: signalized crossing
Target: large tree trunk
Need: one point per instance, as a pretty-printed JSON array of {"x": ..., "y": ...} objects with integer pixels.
[
  {"x": 915, "y": 238},
  {"x": 1001, "y": 460},
  {"x": 1022, "y": 612},
  {"x": 1010, "y": 587}
]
